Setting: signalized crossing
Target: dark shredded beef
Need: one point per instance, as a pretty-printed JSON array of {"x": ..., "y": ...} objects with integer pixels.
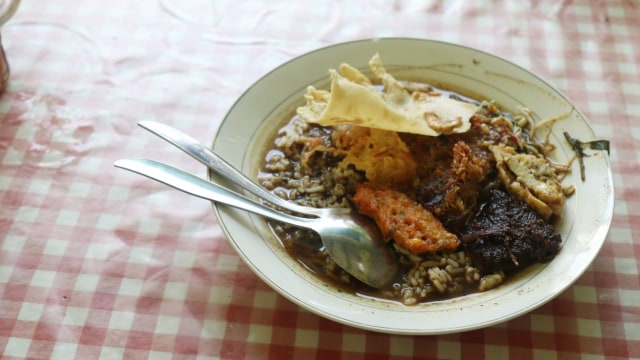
[
  {"x": 452, "y": 189},
  {"x": 506, "y": 234}
]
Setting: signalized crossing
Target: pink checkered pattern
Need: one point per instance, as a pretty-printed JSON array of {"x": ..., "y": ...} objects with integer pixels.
[{"x": 96, "y": 263}]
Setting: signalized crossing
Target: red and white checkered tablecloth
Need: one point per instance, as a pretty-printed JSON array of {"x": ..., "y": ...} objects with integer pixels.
[{"x": 98, "y": 264}]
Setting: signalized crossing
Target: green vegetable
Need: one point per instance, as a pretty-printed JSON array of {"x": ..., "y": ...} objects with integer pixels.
[{"x": 578, "y": 147}]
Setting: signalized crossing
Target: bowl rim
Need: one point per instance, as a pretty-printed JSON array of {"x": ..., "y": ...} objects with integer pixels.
[{"x": 222, "y": 212}]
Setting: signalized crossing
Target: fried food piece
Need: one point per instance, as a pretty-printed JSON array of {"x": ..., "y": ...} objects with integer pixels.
[
  {"x": 531, "y": 179},
  {"x": 381, "y": 154},
  {"x": 451, "y": 192},
  {"x": 406, "y": 222},
  {"x": 394, "y": 109}
]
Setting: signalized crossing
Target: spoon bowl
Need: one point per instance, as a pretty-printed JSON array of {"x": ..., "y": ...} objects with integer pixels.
[{"x": 353, "y": 242}]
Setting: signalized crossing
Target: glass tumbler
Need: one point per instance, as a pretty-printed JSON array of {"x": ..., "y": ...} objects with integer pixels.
[{"x": 7, "y": 9}]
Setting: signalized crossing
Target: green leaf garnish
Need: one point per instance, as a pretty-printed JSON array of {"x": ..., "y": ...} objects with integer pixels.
[{"x": 578, "y": 147}]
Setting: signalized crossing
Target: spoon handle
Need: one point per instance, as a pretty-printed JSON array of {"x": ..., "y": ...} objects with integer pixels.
[
  {"x": 191, "y": 184},
  {"x": 221, "y": 167}
]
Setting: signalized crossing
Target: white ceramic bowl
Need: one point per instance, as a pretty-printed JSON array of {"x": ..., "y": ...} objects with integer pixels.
[{"x": 584, "y": 225}]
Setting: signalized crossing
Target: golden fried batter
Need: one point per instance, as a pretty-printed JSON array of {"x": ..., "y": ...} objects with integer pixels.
[
  {"x": 406, "y": 222},
  {"x": 381, "y": 154}
]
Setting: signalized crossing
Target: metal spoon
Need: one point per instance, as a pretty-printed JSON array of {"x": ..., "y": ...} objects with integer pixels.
[
  {"x": 354, "y": 245},
  {"x": 222, "y": 168}
]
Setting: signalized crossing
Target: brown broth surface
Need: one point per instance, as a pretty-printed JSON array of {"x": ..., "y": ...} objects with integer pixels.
[{"x": 420, "y": 274}]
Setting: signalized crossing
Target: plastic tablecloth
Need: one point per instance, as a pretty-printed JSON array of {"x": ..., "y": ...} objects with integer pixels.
[{"x": 97, "y": 263}]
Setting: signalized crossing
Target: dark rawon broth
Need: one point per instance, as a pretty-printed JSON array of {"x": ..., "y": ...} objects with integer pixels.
[{"x": 320, "y": 182}]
